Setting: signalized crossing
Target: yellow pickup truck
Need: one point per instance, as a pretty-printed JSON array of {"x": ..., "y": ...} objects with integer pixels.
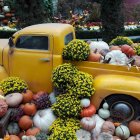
[{"x": 33, "y": 52}]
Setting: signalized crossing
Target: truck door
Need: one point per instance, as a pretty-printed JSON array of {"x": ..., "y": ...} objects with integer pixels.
[{"x": 31, "y": 60}]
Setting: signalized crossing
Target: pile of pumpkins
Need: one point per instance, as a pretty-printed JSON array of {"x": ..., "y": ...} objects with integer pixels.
[
  {"x": 100, "y": 51},
  {"x": 94, "y": 125}
]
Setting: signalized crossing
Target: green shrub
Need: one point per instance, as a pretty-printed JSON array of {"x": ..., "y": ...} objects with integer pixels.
[
  {"x": 137, "y": 49},
  {"x": 121, "y": 40},
  {"x": 82, "y": 85},
  {"x": 67, "y": 106},
  {"x": 13, "y": 84},
  {"x": 63, "y": 75},
  {"x": 76, "y": 50}
]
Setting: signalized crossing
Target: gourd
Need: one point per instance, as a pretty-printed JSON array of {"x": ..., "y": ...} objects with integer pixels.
[
  {"x": 134, "y": 126},
  {"x": 88, "y": 123},
  {"x": 13, "y": 128},
  {"x": 137, "y": 60},
  {"x": 3, "y": 107},
  {"x": 115, "y": 48},
  {"x": 122, "y": 131},
  {"x": 29, "y": 109},
  {"x": 43, "y": 119},
  {"x": 116, "y": 138},
  {"x": 104, "y": 112},
  {"x": 52, "y": 97},
  {"x": 131, "y": 138},
  {"x": 25, "y": 122},
  {"x": 88, "y": 111},
  {"x": 108, "y": 127},
  {"x": 128, "y": 50},
  {"x": 28, "y": 137},
  {"x": 83, "y": 135},
  {"x": 99, "y": 45},
  {"x": 27, "y": 96},
  {"x": 117, "y": 57},
  {"x": 105, "y": 136},
  {"x": 14, "y": 99},
  {"x": 85, "y": 102},
  {"x": 32, "y": 131}
]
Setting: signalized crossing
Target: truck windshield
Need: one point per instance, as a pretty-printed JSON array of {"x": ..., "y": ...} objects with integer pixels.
[
  {"x": 69, "y": 37},
  {"x": 33, "y": 42}
]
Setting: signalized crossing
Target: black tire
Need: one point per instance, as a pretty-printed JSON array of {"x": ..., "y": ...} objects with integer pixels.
[{"x": 120, "y": 100}]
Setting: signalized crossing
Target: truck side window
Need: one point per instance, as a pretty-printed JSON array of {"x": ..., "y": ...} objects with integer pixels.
[
  {"x": 32, "y": 42},
  {"x": 68, "y": 38}
]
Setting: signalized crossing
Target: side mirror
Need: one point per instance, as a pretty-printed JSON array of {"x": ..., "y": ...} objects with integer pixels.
[{"x": 11, "y": 43}]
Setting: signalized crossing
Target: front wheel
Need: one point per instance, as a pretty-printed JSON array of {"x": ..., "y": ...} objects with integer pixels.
[{"x": 123, "y": 107}]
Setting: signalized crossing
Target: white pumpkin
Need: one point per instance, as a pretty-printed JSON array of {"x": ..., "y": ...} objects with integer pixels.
[
  {"x": 117, "y": 57},
  {"x": 83, "y": 135},
  {"x": 99, "y": 45},
  {"x": 14, "y": 99},
  {"x": 85, "y": 102},
  {"x": 105, "y": 136},
  {"x": 88, "y": 123},
  {"x": 43, "y": 119},
  {"x": 97, "y": 130},
  {"x": 122, "y": 132},
  {"x": 24, "y": 137}
]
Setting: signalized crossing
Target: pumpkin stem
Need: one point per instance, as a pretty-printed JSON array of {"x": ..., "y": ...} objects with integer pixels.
[{"x": 95, "y": 51}]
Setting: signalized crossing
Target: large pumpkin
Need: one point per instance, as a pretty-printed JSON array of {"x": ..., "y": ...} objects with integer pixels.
[
  {"x": 88, "y": 111},
  {"x": 25, "y": 122},
  {"x": 27, "y": 96},
  {"x": 29, "y": 109},
  {"x": 134, "y": 127},
  {"x": 3, "y": 107}
]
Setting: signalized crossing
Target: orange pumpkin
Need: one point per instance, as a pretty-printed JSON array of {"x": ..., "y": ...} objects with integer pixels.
[
  {"x": 8, "y": 14},
  {"x": 88, "y": 111},
  {"x": 115, "y": 48},
  {"x": 94, "y": 57},
  {"x": 38, "y": 94},
  {"x": 32, "y": 131},
  {"x": 27, "y": 96},
  {"x": 25, "y": 122},
  {"x": 14, "y": 137},
  {"x": 128, "y": 50},
  {"x": 29, "y": 109}
]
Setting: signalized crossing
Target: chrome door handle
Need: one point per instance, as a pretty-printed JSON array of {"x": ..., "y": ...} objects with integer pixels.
[{"x": 45, "y": 59}]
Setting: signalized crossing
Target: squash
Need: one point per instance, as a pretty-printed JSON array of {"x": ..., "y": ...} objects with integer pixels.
[
  {"x": 3, "y": 107},
  {"x": 137, "y": 60},
  {"x": 32, "y": 131},
  {"x": 94, "y": 57},
  {"x": 122, "y": 132},
  {"x": 38, "y": 94},
  {"x": 43, "y": 119},
  {"x": 25, "y": 122},
  {"x": 88, "y": 123},
  {"x": 27, "y": 96},
  {"x": 88, "y": 111},
  {"x": 52, "y": 97},
  {"x": 29, "y": 109},
  {"x": 108, "y": 127},
  {"x": 28, "y": 137},
  {"x": 13, "y": 128},
  {"x": 114, "y": 48},
  {"x": 117, "y": 57},
  {"x": 14, "y": 137},
  {"x": 85, "y": 102},
  {"x": 83, "y": 135},
  {"x": 14, "y": 99},
  {"x": 131, "y": 138},
  {"x": 134, "y": 126}
]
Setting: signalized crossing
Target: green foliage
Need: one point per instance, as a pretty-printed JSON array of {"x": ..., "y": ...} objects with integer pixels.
[
  {"x": 63, "y": 75},
  {"x": 121, "y": 40},
  {"x": 67, "y": 106},
  {"x": 13, "y": 84},
  {"x": 76, "y": 50},
  {"x": 41, "y": 136},
  {"x": 64, "y": 129},
  {"x": 82, "y": 85},
  {"x": 137, "y": 49}
]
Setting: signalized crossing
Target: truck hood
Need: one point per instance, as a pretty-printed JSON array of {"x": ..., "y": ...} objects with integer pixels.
[{"x": 3, "y": 43}]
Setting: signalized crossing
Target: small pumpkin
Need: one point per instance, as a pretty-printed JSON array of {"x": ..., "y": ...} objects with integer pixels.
[
  {"x": 38, "y": 94},
  {"x": 105, "y": 136},
  {"x": 25, "y": 122},
  {"x": 29, "y": 109},
  {"x": 94, "y": 57},
  {"x": 27, "y": 96},
  {"x": 116, "y": 138},
  {"x": 13, "y": 128},
  {"x": 85, "y": 102},
  {"x": 88, "y": 111},
  {"x": 134, "y": 126},
  {"x": 108, "y": 127},
  {"x": 132, "y": 138},
  {"x": 122, "y": 132},
  {"x": 3, "y": 107},
  {"x": 128, "y": 50},
  {"x": 14, "y": 137},
  {"x": 88, "y": 123},
  {"x": 32, "y": 131},
  {"x": 138, "y": 137},
  {"x": 115, "y": 48},
  {"x": 28, "y": 137},
  {"x": 117, "y": 57},
  {"x": 83, "y": 135},
  {"x": 14, "y": 99},
  {"x": 137, "y": 60}
]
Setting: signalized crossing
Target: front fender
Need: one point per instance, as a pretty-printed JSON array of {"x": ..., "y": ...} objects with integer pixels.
[
  {"x": 3, "y": 73},
  {"x": 106, "y": 85}
]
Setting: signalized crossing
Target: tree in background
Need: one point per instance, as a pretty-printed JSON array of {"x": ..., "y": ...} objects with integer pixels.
[{"x": 31, "y": 12}]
